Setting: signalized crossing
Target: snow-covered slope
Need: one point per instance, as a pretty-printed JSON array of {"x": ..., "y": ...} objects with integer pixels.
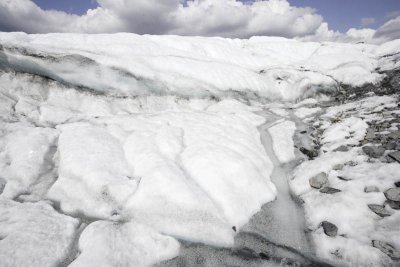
[
  {"x": 128, "y": 64},
  {"x": 137, "y": 142}
]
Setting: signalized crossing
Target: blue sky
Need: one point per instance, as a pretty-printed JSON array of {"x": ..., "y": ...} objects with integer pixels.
[
  {"x": 340, "y": 14},
  {"x": 373, "y": 21},
  {"x": 344, "y": 14}
]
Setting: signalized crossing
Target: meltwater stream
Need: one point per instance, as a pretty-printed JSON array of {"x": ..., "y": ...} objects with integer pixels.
[{"x": 275, "y": 236}]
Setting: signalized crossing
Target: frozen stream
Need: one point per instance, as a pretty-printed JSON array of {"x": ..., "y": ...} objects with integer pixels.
[{"x": 275, "y": 236}]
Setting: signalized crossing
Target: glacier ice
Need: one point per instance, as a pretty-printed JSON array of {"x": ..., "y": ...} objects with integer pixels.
[{"x": 143, "y": 142}]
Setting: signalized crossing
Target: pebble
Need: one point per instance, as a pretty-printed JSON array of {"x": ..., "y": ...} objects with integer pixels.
[
  {"x": 319, "y": 181},
  {"x": 374, "y": 151},
  {"x": 329, "y": 190},
  {"x": 379, "y": 210},
  {"x": 387, "y": 249},
  {"x": 393, "y": 194},
  {"x": 370, "y": 189},
  {"x": 329, "y": 228}
]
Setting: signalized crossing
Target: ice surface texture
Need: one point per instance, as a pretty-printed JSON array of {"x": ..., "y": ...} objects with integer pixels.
[
  {"x": 129, "y": 142},
  {"x": 128, "y": 64}
]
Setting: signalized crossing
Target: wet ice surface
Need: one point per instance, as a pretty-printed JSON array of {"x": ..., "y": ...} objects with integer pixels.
[{"x": 117, "y": 153}]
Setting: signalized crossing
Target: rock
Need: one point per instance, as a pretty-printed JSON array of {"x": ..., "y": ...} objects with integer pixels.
[
  {"x": 370, "y": 189},
  {"x": 264, "y": 256},
  {"x": 329, "y": 228},
  {"x": 329, "y": 190},
  {"x": 319, "y": 181},
  {"x": 337, "y": 167},
  {"x": 370, "y": 135},
  {"x": 374, "y": 151},
  {"x": 341, "y": 149},
  {"x": 379, "y": 210},
  {"x": 387, "y": 249},
  {"x": 303, "y": 132},
  {"x": 344, "y": 178},
  {"x": 394, "y": 135},
  {"x": 393, "y": 194},
  {"x": 351, "y": 163},
  {"x": 393, "y": 204},
  {"x": 309, "y": 153},
  {"x": 247, "y": 253},
  {"x": 2, "y": 184},
  {"x": 390, "y": 145},
  {"x": 234, "y": 228},
  {"x": 395, "y": 156}
]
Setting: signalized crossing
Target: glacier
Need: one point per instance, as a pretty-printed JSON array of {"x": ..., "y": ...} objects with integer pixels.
[{"x": 135, "y": 150}]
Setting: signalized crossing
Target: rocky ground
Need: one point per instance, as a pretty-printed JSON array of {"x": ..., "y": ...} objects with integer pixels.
[{"x": 352, "y": 166}]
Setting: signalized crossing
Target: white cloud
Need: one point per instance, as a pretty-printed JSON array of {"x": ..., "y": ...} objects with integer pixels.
[
  {"x": 227, "y": 18},
  {"x": 392, "y": 14},
  {"x": 367, "y": 21},
  {"x": 390, "y": 30}
]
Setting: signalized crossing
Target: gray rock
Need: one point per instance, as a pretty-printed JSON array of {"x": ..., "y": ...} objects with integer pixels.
[
  {"x": 344, "y": 178},
  {"x": 319, "y": 181},
  {"x": 395, "y": 156},
  {"x": 329, "y": 228},
  {"x": 393, "y": 194},
  {"x": 351, "y": 163},
  {"x": 390, "y": 145},
  {"x": 337, "y": 167},
  {"x": 394, "y": 135},
  {"x": 374, "y": 151},
  {"x": 370, "y": 135},
  {"x": 309, "y": 153},
  {"x": 393, "y": 204},
  {"x": 2, "y": 184},
  {"x": 386, "y": 248},
  {"x": 341, "y": 149},
  {"x": 379, "y": 210},
  {"x": 329, "y": 190},
  {"x": 370, "y": 189}
]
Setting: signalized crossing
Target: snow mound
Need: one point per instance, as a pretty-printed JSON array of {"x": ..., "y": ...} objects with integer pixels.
[
  {"x": 105, "y": 243},
  {"x": 282, "y": 136},
  {"x": 33, "y": 234}
]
